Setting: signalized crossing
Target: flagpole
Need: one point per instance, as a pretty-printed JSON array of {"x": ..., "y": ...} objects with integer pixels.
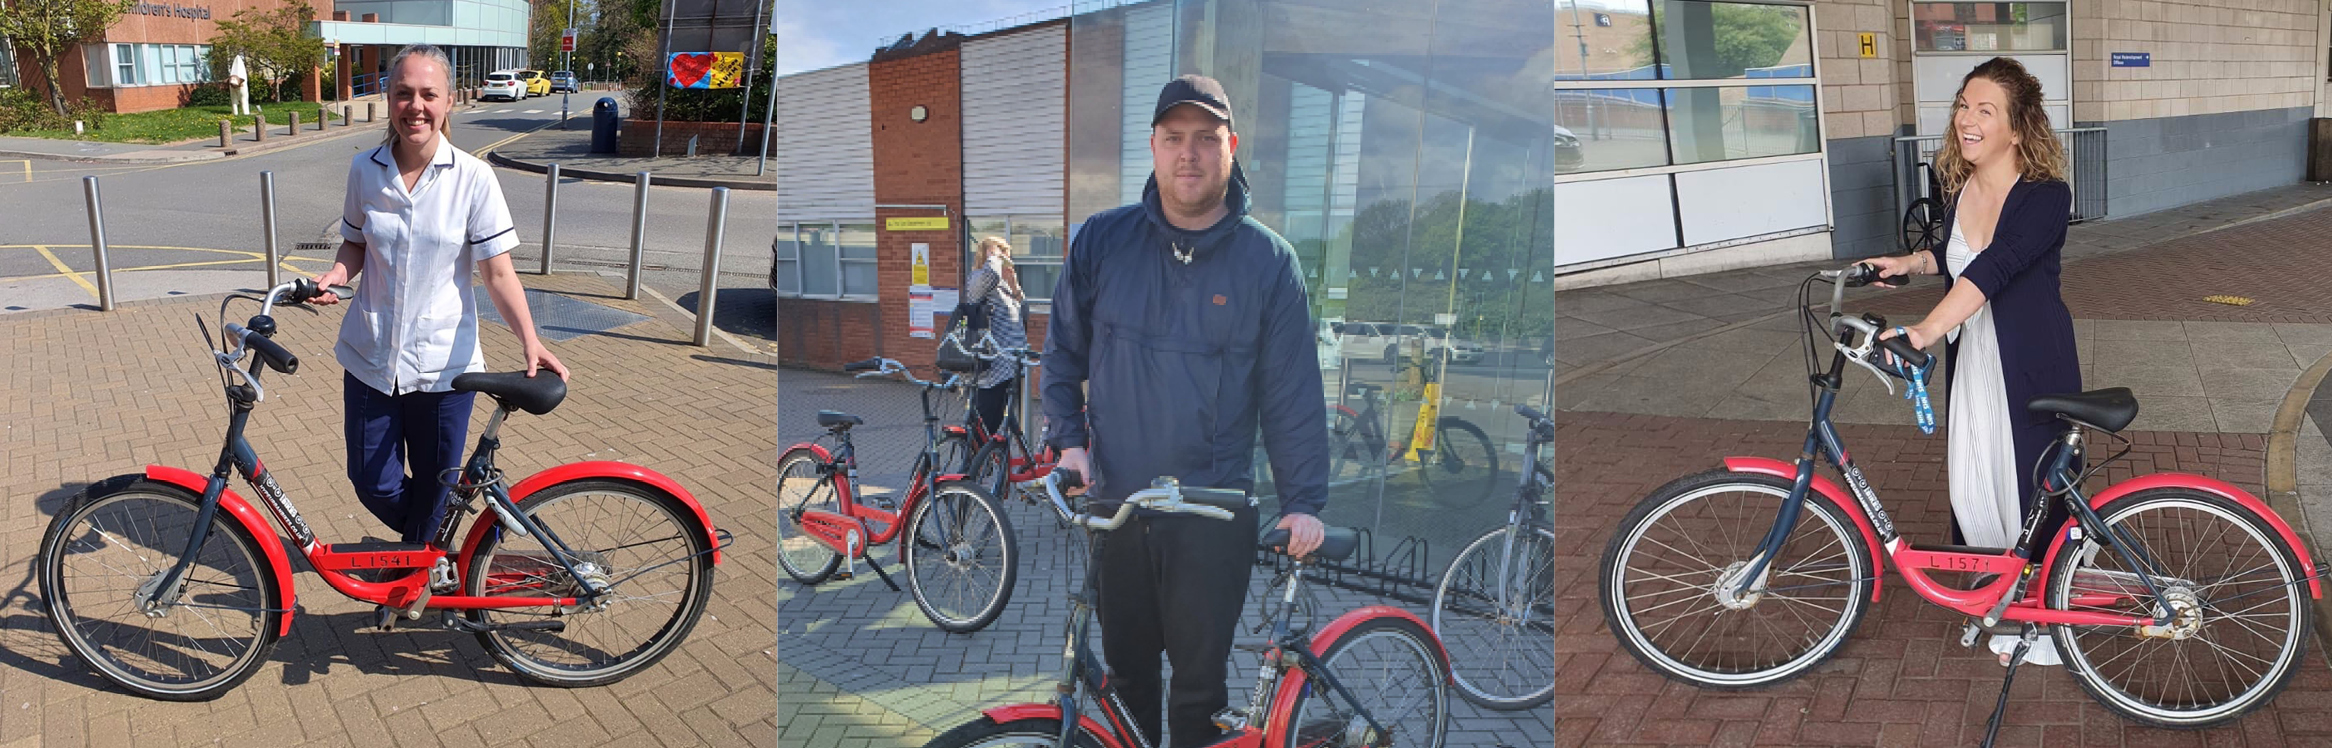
[
  {"x": 663, "y": 73},
  {"x": 745, "y": 101},
  {"x": 769, "y": 113}
]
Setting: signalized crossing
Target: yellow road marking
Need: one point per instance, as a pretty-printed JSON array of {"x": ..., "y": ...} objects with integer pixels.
[
  {"x": 27, "y": 166},
  {"x": 68, "y": 271},
  {"x": 481, "y": 153}
]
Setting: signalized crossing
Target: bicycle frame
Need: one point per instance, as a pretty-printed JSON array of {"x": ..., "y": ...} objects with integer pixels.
[
  {"x": 848, "y": 533},
  {"x": 412, "y": 591},
  {"x": 2014, "y": 567}
]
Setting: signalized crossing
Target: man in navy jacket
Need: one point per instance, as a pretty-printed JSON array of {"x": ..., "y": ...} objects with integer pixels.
[{"x": 1180, "y": 328}]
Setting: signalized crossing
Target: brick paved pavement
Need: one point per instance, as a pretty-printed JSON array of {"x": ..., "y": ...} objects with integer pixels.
[
  {"x": 862, "y": 666},
  {"x": 98, "y": 394},
  {"x": 1901, "y": 680}
]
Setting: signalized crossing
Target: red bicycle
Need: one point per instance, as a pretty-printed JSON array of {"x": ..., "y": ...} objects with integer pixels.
[
  {"x": 955, "y": 541},
  {"x": 1375, "y": 677},
  {"x": 173, "y": 587}
]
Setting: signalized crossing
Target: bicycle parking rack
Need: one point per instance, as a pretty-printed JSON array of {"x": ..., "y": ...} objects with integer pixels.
[{"x": 1402, "y": 574}]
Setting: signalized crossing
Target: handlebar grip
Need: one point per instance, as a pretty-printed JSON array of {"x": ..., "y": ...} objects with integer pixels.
[
  {"x": 867, "y": 365},
  {"x": 1219, "y": 498},
  {"x": 1864, "y": 275},
  {"x": 1529, "y": 413},
  {"x": 1902, "y": 349},
  {"x": 344, "y": 292},
  {"x": 1274, "y": 540},
  {"x": 273, "y": 354},
  {"x": 1069, "y": 478}
]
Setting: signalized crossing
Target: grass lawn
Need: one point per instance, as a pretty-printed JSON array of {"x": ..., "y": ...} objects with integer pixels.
[{"x": 174, "y": 125}]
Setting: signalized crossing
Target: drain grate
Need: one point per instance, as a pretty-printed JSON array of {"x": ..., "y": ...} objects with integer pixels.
[{"x": 560, "y": 318}]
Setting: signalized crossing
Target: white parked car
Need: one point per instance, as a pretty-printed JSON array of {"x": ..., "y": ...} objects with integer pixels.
[
  {"x": 1387, "y": 342},
  {"x": 502, "y": 85}
]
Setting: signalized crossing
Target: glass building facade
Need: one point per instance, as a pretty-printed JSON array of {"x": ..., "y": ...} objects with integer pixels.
[{"x": 1407, "y": 151}]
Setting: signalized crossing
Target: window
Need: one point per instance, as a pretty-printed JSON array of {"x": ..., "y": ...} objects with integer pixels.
[
  {"x": 827, "y": 259},
  {"x": 1038, "y": 244},
  {"x": 1988, "y": 27},
  {"x": 125, "y": 64},
  {"x": 7, "y": 63},
  {"x": 1661, "y": 83},
  {"x": 190, "y": 67}
]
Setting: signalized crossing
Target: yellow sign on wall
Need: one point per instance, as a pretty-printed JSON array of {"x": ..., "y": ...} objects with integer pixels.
[
  {"x": 1870, "y": 45},
  {"x": 938, "y": 223}
]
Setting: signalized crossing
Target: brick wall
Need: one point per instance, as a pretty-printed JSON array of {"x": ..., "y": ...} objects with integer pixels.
[
  {"x": 1860, "y": 96},
  {"x": 2207, "y": 57},
  {"x": 917, "y": 163},
  {"x": 637, "y": 138},
  {"x": 828, "y": 334}
]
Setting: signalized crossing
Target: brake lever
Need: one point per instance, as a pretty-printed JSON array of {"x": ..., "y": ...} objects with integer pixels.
[{"x": 1859, "y": 360}]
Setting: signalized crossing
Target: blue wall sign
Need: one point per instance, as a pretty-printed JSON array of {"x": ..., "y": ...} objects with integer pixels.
[{"x": 2133, "y": 59}]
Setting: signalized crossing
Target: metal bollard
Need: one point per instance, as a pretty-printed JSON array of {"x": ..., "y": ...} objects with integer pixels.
[
  {"x": 259, "y": 126},
  {"x": 292, "y": 130},
  {"x": 97, "y": 243},
  {"x": 714, "y": 226},
  {"x": 226, "y": 133},
  {"x": 639, "y": 232},
  {"x": 267, "y": 224},
  {"x": 550, "y": 215}
]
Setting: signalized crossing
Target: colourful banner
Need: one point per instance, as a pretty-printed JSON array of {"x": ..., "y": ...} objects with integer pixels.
[{"x": 705, "y": 70}]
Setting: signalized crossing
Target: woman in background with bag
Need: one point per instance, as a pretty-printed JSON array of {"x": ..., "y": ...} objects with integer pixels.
[{"x": 993, "y": 301}]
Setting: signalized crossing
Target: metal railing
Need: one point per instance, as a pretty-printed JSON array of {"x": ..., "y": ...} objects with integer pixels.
[{"x": 2084, "y": 169}]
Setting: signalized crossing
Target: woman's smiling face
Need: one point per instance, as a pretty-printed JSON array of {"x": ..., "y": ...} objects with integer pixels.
[
  {"x": 1980, "y": 120},
  {"x": 419, "y": 101}
]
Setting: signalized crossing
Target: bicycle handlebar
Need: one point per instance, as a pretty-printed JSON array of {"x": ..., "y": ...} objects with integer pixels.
[
  {"x": 1164, "y": 495},
  {"x": 875, "y": 367},
  {"x": 270, "y": 352}
]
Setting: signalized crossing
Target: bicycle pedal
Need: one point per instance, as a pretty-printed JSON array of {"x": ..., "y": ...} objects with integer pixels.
[{"x": 384, "y": 618}]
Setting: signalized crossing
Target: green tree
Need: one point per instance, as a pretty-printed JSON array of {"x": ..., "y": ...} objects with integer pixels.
[
  {"x": 549, "y": 23},
  {"x": 1745, "y": 36},
  {"x": 275, "y": 45},
  {"x": 46, "y": 28}
]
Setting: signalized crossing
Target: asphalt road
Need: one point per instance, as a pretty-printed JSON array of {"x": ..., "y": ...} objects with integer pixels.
[{"x": 208, "y": 212}]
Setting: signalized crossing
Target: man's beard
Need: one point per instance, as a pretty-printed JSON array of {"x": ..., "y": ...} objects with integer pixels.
[{"x": 1205, "y": 204}]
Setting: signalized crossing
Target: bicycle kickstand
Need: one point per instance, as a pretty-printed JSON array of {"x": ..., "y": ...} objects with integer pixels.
[
  {"x": 878, "y": 570},
  {"x": 2024, "y": 644}
]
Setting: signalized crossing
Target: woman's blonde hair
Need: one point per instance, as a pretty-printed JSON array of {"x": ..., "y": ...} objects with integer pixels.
[
  {"x": 2039, "y": 156},
  {"x": 1003, "y": 249},
  {"x": 433, "y": 54}
]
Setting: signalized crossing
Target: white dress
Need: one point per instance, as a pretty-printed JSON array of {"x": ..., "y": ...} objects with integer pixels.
[{"x": 1981, "y": 460}]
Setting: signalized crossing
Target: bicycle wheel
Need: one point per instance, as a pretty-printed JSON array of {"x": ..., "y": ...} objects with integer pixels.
[
  {"x": 1664, "y": 582},
  {"x": 1495, "y": 611},
  {"x": 960, "y": 558},
  {"x": 643, "y": 543},
  {"x": 1922, "y": 225},
  {"x": 1022, "y": 733},
  {"x": 2238, "y": 594},
  {"x": 801, "y": 488},
  {"x": 118, "y": 536},
  {"x": 991, "y": 470},
  {"x": 1463, "y": 468},
  {"x": 1392, "y": 669}
]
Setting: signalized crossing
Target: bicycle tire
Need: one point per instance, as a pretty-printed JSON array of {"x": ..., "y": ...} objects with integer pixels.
[
  {"x": 1536, "y": 637},
  {"x": 230, "y": 553},
  {"x": 1408, "y": 641},
  {"x": 961, "y": 502},
  {"x": 802, "y": 556},
  {"x": 1038, "y": 732},
  {"x": 649, "y": 571},
  {"x": 2066, "y": 570},
  {"x": 1861, "y": 579},
  {"x": 1355, "y": 450},
  {"x": 991, "y": 469},
  {"x": 1457, "y": 473}
]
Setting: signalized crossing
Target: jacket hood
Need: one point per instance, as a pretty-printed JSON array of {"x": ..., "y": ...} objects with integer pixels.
[{"x": 1236, "y": 199}]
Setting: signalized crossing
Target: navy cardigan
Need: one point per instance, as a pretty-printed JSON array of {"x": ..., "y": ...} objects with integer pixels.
[{"x": 2018, "y": 274}]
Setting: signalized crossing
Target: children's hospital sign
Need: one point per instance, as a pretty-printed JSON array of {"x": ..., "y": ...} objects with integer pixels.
[{"x": 191, "y": 12}]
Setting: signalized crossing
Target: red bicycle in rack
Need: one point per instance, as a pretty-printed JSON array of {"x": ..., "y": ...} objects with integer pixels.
[
  {"x": 954, "y": 539},
  {"x": 173, "y": 587}
]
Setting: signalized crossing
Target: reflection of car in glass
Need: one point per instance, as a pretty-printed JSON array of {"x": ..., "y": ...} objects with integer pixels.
[
  {"x": 1387, "y": 342},
  {"x": 1568, "y": 155}
]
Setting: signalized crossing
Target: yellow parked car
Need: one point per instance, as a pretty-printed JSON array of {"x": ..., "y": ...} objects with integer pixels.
[{"x": 537, "y": 84}]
